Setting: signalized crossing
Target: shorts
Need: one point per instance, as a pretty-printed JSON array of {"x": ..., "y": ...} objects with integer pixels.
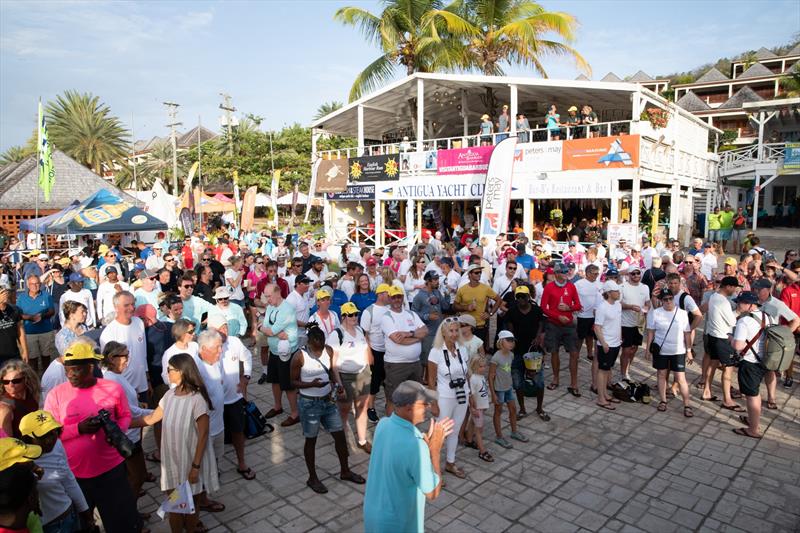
[
  {"x": 42, "y": 345},
  {"x": 607, "y": 359},
  {"x": 279, "y": 372},
  {"x": 505, "y": 396},
  {"x": 676, "y": 363},
  {"x": 586, "y": 328},
  {"x": 750, "y": 377},
  {"x": 396, "y": 373},
  {"x": 631, "y": 337},
  {"x": 316, "y": 412},
  {"x": 478, "y": 418},
  {"x": 234, "y": 416},
  {"x": 517, "y": 374},
  {"x": 719, "y": 350},
  {"x": 555, "y": 336},
  {"x": 741, "y": 234},
  {"x": 725, "y": 234},
  {"x": 356, "y": 385}
]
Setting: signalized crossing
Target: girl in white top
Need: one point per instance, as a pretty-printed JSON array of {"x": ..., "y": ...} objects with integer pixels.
[
  {"x": 234, "y": 276},
  {"x": 351, "y": 362},
  {"x": 415, "y": 278},
  {"x": 478, "y": 404},
  {"x": 324, "y": 317},
  {"x": 472, "y": 344},
  {"x": 183, "y": 331},
  {"x": 447, "y": 373}
]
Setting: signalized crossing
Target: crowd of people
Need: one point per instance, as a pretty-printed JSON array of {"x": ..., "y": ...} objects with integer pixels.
[
  {"x": 577, "y": 124},
  {"x": 92, "y": 340}
]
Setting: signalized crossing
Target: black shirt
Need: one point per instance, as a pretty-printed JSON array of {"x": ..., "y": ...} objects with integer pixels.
[
  {"x": 652, "y": 276},
  {"x": 525, "y": 327},
  {"x": 205, "y": 292},
  {"x": 10, "y": 318},
  {"x": 307, "y": 262},
  {"x": 217, "y": 273}
]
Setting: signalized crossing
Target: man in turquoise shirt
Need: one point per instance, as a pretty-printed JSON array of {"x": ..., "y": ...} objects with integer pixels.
[
  {"x": 193, "y": 307},
  {"x": 404, "y": 464}
]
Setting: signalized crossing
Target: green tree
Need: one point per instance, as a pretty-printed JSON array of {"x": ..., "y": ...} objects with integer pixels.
[
  {"x": 327, "y": 108},
  {"x": 407, "y": 38},
  {"x": 790, "y": 83},
  {"x": 15, "y": 154},
  {"x": 81, "y": 126},
  {"x": 157, "y": 165}
]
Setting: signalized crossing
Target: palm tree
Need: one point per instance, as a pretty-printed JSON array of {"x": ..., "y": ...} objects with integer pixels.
[
  {"x": 327, "y": 108},
  {"x": 407, "y": 38},
  {"x": 790, "y": 83},
  {"x": 156, "y": 165},
  {"x": 14, "y": 154},
  {"x": 82, "y": 127}
]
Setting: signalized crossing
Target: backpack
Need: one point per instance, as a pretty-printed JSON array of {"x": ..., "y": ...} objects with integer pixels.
[
  {"x": 779, "y": 345},
  {"x": 340, "y": 333},
  {"x": 255, "y": 423},
  {"x": 682, "y": 301}
]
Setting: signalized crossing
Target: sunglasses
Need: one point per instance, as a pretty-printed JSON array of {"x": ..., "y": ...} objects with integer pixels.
[
  {"x": 667, "y": 299},
  {"x": 187, "y": 286},
  {"x": 259, "y": 262},
  {"x": 511, "y": 267},
  {"x": 348, "y": 315},
  {"x": 451, "y": 319},
  {"x": 223, "y": 299},
  {"x": 190, "y": 331},
  {"x": 15, "y": 381},
  {"x": 172, "y": 369}
]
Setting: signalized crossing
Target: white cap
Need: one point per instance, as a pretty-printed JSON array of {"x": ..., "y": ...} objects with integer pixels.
[
  {"x": 474, "y": 267},
  {"x": 216, "y": 321},
  {"x": 222, "y": 292},
  {"x": 611, "y": 285},
  {"x": 505, "y": 334}
]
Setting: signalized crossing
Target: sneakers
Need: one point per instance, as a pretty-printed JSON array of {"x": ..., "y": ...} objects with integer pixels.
[
  {"x": 516, "y": 435},
  {"x": 372, "y": 414},
  {"x": 500, "y": 441},
  {"x": 788, "y": 382}
]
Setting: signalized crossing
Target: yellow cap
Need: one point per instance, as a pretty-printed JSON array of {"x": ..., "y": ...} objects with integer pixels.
[
  {"x": 349, "y": 308},
  {"x": 34, "y": 253},
  {"x": 322, "y": 294},
  {"x": 522, "y": 289},
  {"x": 13, "y": 451},
  {"x": 394, "y": 290},
  {"x": 81, "y": 352},
  {"x": 730, "y": 261},
  {"x": 383, "y": 287},
  {"x": 64, "y": 261},
  {"x": 102, "y": 249},
  {"x": 37, "y": 424}
]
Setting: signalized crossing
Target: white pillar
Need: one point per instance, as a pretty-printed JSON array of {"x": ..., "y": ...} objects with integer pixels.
[
  {"x": 360, "y": 110},
  {"x": 636, "y": 98},
  {"x": 761, "y": 122},
  {"x": 527, "y": 217},
  {"x": 636, "y": 199},
  {"x": 410, "y": 222},
  {"x": 674, "y": 211},
  {"x": 465, "y": 111},
  {"x": 377, "y": 213},
  {"x": 756, "y": 191},
  {"x": 730, "y": 90},
  {"x": 420, "y": 113},
  {"x": 614, "y": 215},
  {"x": 513, "y": 116}
]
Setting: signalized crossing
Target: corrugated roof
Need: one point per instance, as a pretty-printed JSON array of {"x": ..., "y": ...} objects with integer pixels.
[
  {"x": 794, "y": 51},
  {"x": 756, "y": 70},
  {"x": 640, "y": 76},
  {"x": 582, "y": 77},
  {"x": 189, "y": 138},
  {"x": 743, "y": 95},
  {"x": 763, "y": 53},
  {"x": 712, "y": 75},
  {"x": 692, "y": 103},
  {"x": 611, "y": 77},
  {"x": 19, "y": 184}
]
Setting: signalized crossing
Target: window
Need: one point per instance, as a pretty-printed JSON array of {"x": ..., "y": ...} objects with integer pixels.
[{"x": 784, "y": 194}]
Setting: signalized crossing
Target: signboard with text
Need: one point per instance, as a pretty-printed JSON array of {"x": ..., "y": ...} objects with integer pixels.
[
  {"x": 331, "y": 175},
  {"x": 374, "y": 168},
  {"x": 629, "y": 232},
  {"x": 463, "y": 160},
  {"x": 353, "y": 192},
  {"x": 532, "y": 158},
  {"x": 411, "y": 163},
  {"x": 600, "y": 153}
]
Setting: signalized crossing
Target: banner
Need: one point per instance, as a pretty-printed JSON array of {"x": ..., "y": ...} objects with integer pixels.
[
  {"x": 273, "y": 195},
  {"x": 463, "y": 160},
  {"x": 600, "y": 153},
  {"x": 374, "y": 168},
  {"x": 353, "y": 192},
  {"x": 331, "y": 176},
  {"x": 412, "y": 163},
  {"x": 442, "y": 188},
  {"x": 497, "y": 192},
  {"x": 569, "y": 187},
  {"x": 47, "y": 172},
  {"x": 533, "y": 158},
  {"x": 186, "y": 221},
  {"x": 791, "y": 158},
  {"x": 248, "y": 209},
  {"x": 629, "y": 232}
]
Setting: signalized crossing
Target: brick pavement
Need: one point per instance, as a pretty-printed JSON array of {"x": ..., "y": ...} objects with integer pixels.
[{"x": 634, "y": 469}]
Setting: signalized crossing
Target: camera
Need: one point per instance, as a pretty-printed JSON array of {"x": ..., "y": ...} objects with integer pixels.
[
  {"x": 461, "y": 394},
  {"x": 457, "y": 383},
  {"x": 114, "y": 434}
]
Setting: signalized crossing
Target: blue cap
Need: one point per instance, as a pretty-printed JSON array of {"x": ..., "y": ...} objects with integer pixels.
[
  {"x": 75, "y": 277},
  {"x": 746, "y": 297},
  {"x": 612, "y": 271},
  {"x": 138, "y": 266}
]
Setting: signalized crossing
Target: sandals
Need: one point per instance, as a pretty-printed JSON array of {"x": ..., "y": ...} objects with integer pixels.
[
  {"x": 500, "y": 441},
  {"x": 486, "y": 456},
  {"x": 153, "y": 457},
  {"x": 771, "y": 406},
  {"x": 516, "y": 435},
  {"x": 290, "y": 421},
  {"x": 745, "y": 433},
  {"x": 213, "y": 507},
  {"x": 552, "y": 386},
  {"x": 688, "y": 412},
  {"x": 607, "y": 406},
  {"x": 456, "y": 471},
  {"x": 521, "y": 415},
  {"x": 712, "y": 399},
  {"x": 544, "y": 416},
  {"x": 247, "y": 473},
  {"x": 736, "y": 408},
  {"x": 353, "y": 478},
  {"x": 317, "y": 486},
  {"x": 736, "y": 394},
  {"x": 471, "y": 444},
  {"x": 574, "y": 391},
  {"x": 662, "y": 406}
]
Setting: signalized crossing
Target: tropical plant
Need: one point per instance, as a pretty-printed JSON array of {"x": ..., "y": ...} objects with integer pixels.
[
  {"x": 790, "y": 83},
  {"x": 327, "y": 108},
  {"x": 157, "y": 164},
  {"x": 14, "y": 154},
  {"x": 407, "y": 38},
  {"x": 748, "y": 59},
  {"x": 81, "y": 126}
]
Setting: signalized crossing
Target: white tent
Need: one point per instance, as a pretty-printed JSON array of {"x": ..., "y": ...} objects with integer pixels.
[
  {"x": 159, "y": 203},
  {"x": 302, "y": 199}
]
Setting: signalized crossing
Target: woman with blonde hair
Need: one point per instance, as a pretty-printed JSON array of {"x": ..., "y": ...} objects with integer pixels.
[{"x": 19, "y": 395}]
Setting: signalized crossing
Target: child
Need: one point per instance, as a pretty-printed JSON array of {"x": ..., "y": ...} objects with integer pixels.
[
  {"x": 473, "y": 344},
  {"x": 500, "y": 383},
  {"x": 478, "y": 404}
]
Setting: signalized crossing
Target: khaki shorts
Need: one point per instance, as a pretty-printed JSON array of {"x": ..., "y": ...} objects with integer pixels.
[
  {"x": 396, "y": 373},
  {"x": 356, "y": 385},
  {"x": 42, "y": 344}
]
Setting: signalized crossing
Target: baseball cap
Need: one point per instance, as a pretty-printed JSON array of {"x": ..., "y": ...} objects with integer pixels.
[
  {"x": 762, "y": 283},
  {"x": 729, "y": 281},
  {"x": 43, "y": 257},
  {"x": 633, "y": 269},
  {"x": 316, "y": 259},
  {"x": 746, "y": 297},
  {"x": 102, "y": 249},
  {"x": 447, "y": 261},
  {"x": 321, "y": 294},
  {"x": 708, "y": 245},
  {"x": 222, "y": 292},
  {"x": 302, "y": 278},
  {"x": 409, "y": 392},
  {"x": 505, "y": 334},
  {"x": 730, "y": 261},
  {"x": 157, "y": 245},
  {"x": 146, "y": 274},
  {"x": 522, "y": 289},
  {"x": 561, "y": 268},
  {"x": 13, "y": 451},
  {"x": 75, "y": 277},
  {"x": 331, "y": 275},
  {"x": 429, "y": 275},
  {"x": 37, "y": 424},
  {"x": 111, "y": 268},
  {"x": 64, "y": 261},
  {"x": 216, "y": 320},
  {"x": 383, "y": 287},
  {"x": 612, "y": 271},
  {"x": 348, "y": 308},
  {"x": 372, "y": 261},
  {"x": 611, "y": 285},
  {"x": 467, "y": 319},
  {"x": 394, "y": 290},
  {"x": 80, "y": 353},
  {"x": 665, "y": 293},
  {"x": 571, "y": 244}
]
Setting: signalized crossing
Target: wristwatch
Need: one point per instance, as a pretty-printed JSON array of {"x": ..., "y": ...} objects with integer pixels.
[{"x": 247, "y": 377}]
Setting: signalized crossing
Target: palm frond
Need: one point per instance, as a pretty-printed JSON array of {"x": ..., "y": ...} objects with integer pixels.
[
  {"x": 379, "y": 71},
  {"x": 362, "y": 19}
]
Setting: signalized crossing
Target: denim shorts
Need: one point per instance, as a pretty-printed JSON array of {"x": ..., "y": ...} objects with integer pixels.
[
  {"x": 505, "y": 396},
  {"x": 318, "y": 411}
]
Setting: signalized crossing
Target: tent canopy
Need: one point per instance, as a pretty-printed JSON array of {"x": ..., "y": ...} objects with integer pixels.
[
  {"x": 204, "y": 203},
  {"x": 302, "y": 199},
  {"x": 103, "y": 212},
  {"x": 40, "y": 224}
]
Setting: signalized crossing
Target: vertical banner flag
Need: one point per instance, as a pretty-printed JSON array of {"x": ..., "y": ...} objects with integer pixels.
[
  {"x": 497, "y": 192},
  {"x": 248, "y": 208},
  {"x": 47, "y": 172},
  {"x": 315, "y": 168},
  {"x": 273, "y": 195}
]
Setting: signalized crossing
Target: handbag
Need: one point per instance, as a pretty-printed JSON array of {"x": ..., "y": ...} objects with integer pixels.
[
  {"x": 655, "y": 348},
  {"x": 255, "y": 423}
]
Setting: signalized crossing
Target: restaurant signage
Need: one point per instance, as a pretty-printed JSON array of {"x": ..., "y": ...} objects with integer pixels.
[
  {"x": 374, "y": 168},
  {"x": 463, "y": 160},
  {"x": 331, "y": 175},
  {"x": 353, "y": 192}
]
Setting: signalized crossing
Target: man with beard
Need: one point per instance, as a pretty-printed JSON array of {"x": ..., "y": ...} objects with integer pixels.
[{"x": 560, "y": 301}]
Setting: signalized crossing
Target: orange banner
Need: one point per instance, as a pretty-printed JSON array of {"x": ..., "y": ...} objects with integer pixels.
[
  {"x": 248, "y": 209},
  {"x": 600, "y": 153}
]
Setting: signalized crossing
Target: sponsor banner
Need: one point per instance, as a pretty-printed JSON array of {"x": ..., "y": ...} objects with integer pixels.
[
  {"x": 461, "y": 188},
  {"x": 629, "y": 232},
  {"x": 791, "y": 158},
  {"x": 331, "y": 175},
  {"x": 248, "y": 209},
  {"x": 353, "y": 192},
  {"x": 530, "y": 158},
  {"x": 412, "y": 163},
  {"x": 463, "y": 160},
  {"x": 497, "y": 192},
  {"x": 374, "y": 168},
  {"x": 600, "y": 153},
  {"x": 569, "y": 188}
]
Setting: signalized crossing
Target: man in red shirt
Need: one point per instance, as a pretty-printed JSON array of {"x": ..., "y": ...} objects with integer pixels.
[
  {"x": 791, "y": 297},
  {"x": 559, "y": 303}
]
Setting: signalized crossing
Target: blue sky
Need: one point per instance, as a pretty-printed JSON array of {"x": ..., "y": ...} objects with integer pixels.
[{"x": 281, "y": 60}]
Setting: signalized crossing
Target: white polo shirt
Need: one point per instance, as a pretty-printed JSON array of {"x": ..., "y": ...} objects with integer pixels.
[{"x": 402, "y": 321}]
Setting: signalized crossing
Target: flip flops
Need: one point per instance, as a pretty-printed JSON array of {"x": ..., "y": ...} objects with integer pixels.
[
  {"x": 544, "y": 416},
  {"x": 486, "y": 456},
  {"x": 736, "y": 408},
  {"x": 247, "y": 473},
  {"x": 745, "y": 433},
  {"x": 712, "y": 399},
  {"x": 607, "y": 406},
  {"x": 552, "y": 386},
  {"x": 574, "y": 391}
]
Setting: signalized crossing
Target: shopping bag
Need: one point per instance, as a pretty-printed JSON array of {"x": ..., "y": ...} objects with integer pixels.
[{"x": 179, "y": 501}]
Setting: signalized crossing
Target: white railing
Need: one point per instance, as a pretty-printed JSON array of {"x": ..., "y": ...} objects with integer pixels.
[
  {"x": 602, "y": 129},
  {"x": 669, "y": 160},
  {"x": 749, "y": 155}
]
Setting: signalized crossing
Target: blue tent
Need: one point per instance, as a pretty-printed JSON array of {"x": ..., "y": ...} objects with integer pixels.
[
  {"x": 102, "y": 212},
  {"x": 41, "y": 224}
]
